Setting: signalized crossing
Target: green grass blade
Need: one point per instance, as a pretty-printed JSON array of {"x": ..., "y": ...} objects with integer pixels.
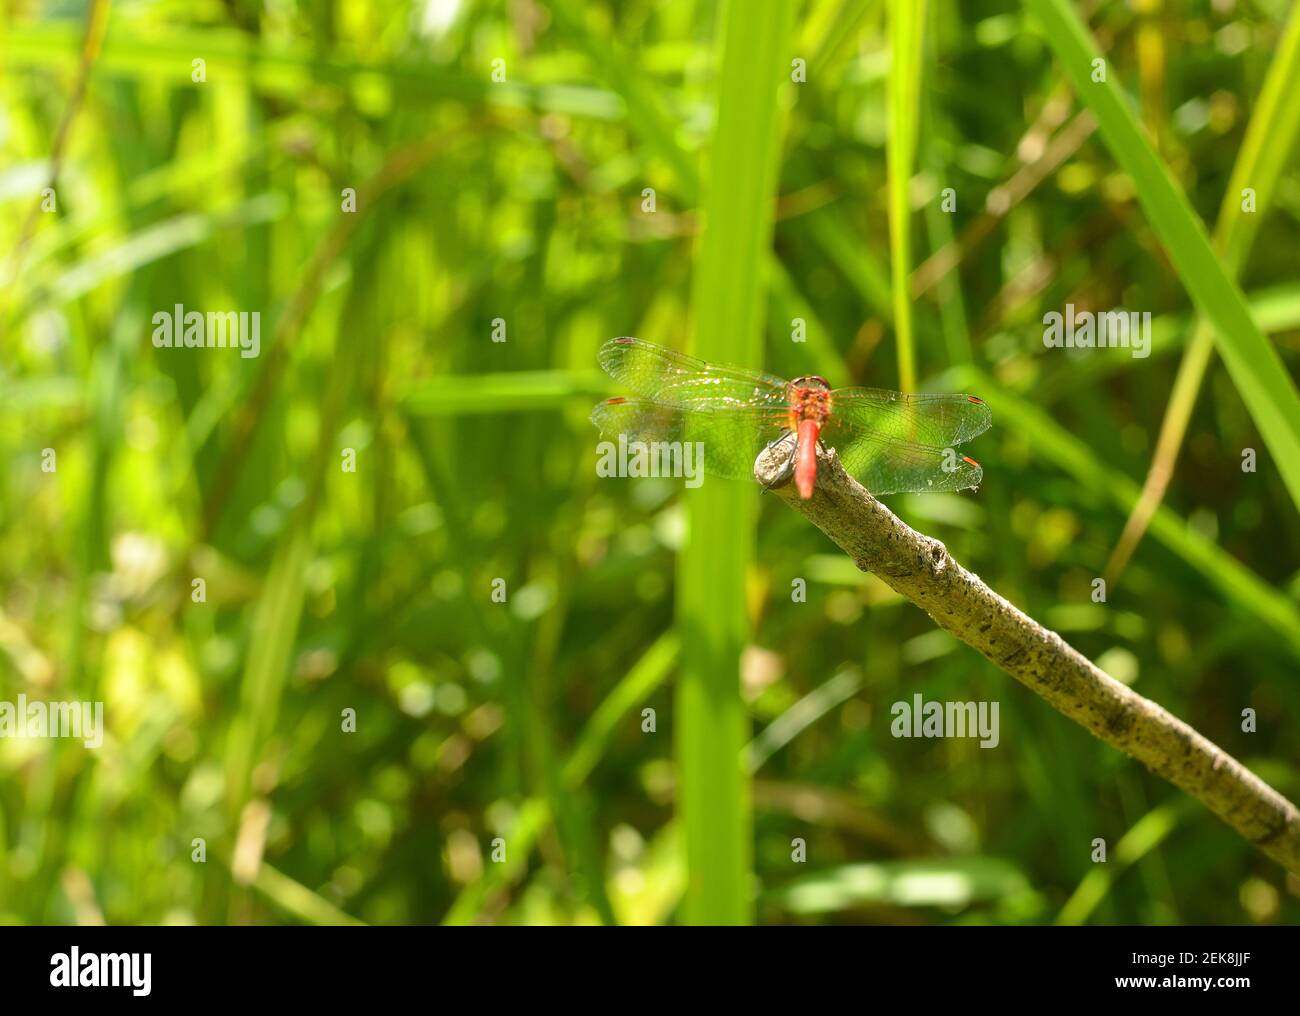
[
  {"x": 938, "y": 223},
  {"x": 711, "y": 721},
  {"x": 641, "y": 681},
  {"x": 906, "y": 18},
  {"x": 296, "y": 899},
  {"x": 286, "y": 69},
  {"x": 802, "y": 715},
  {"x": 1265, "y": 150},
  {"x": 831, "y": 37},
  {"x": 1254, "y": 365},
  {"x": 1146, "y": 834},
  {"x": 270, "y": 653}
]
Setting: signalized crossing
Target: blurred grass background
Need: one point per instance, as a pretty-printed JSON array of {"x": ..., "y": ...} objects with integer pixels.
[{"x": 523, "y": 201}]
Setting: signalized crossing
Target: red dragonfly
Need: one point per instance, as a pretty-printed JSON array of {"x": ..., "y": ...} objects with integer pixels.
[{"x": 890, "y": 441}]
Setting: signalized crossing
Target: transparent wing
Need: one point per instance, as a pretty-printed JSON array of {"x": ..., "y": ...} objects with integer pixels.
[
  {"x": 894, "y": 467},
  {"x": 668, "y": 376},
  {"x": 933, "y": 421},
  {"x": 896, "y": 443},
  {"x": 729, "y": 441}
]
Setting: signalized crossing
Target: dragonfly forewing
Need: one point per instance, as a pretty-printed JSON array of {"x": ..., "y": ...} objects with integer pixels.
[
  {"x": 897, "y": 443},
  {"x": 933, "y": 421},
  {"x": 666, "y": 375}
]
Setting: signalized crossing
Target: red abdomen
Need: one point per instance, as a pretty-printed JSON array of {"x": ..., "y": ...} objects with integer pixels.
[{"x": 805, "y": 466}]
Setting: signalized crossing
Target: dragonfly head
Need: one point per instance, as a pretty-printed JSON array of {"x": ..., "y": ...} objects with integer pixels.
[{"x": 811, "y": 381}]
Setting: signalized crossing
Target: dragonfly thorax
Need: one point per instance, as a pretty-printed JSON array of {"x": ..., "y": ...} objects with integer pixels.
[{"x": 810, "y": 398}]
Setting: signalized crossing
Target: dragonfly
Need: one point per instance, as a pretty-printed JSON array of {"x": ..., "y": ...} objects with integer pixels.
[{"x": 892, "y": 442}]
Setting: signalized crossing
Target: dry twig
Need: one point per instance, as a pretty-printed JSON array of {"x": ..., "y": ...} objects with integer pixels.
[{"x": 921, "y": 569}]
